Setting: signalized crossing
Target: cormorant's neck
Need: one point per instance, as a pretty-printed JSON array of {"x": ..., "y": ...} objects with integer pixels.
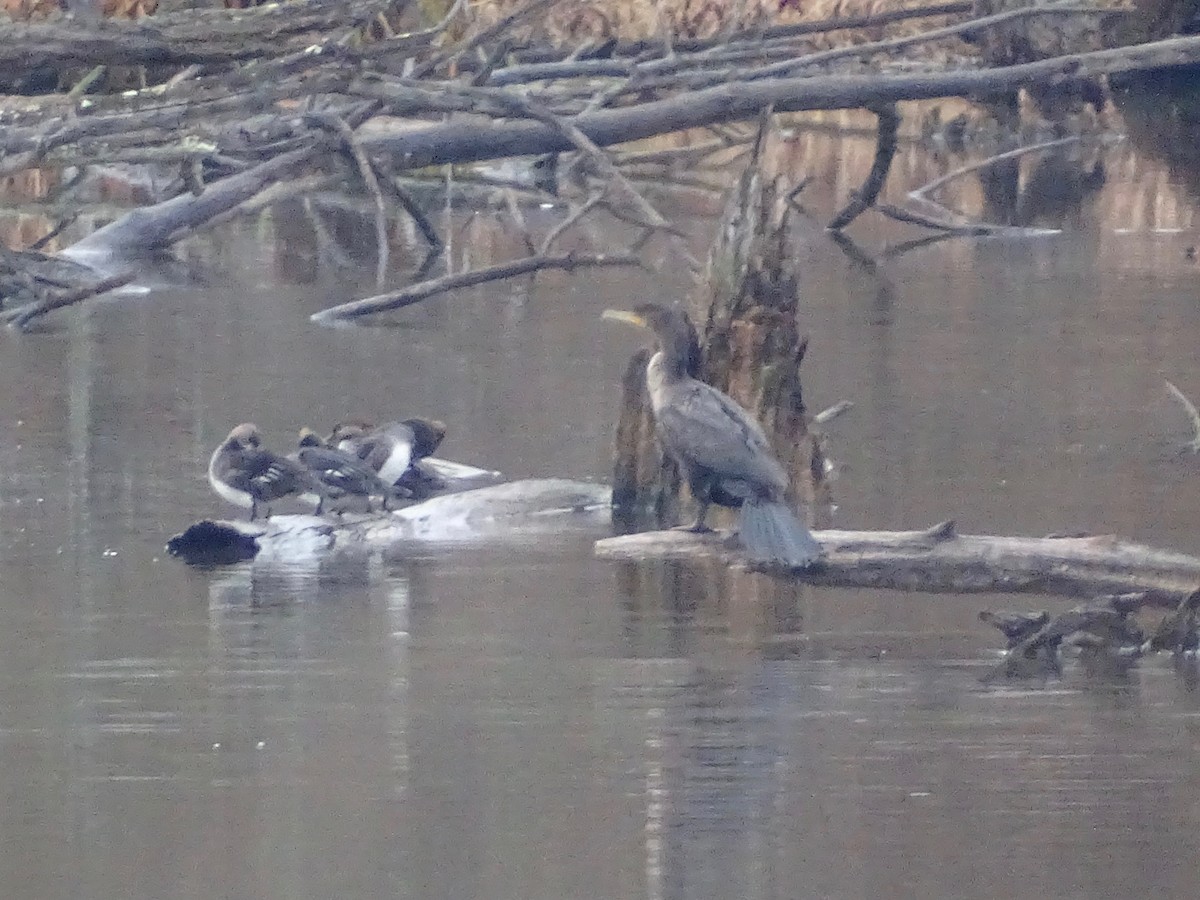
[{"x": 674, "y": 353}]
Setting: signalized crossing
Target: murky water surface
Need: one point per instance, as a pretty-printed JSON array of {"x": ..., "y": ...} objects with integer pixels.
[{"x": 521, "y": 720}]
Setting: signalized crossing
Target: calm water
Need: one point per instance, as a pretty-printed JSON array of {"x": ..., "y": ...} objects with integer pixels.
[{"x": 523, "y": 721}]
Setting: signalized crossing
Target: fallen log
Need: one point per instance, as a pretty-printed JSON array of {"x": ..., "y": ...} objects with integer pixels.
[
  {"x": 473, "y": 141},
  {"x": 513, "y": 510},
  {"x": 940, "y": 560}
]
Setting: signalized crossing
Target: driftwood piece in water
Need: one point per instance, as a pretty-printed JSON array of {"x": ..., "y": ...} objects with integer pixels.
[
  {"x": 516, "y": 510},
  {"x": 939, "y": 560}
]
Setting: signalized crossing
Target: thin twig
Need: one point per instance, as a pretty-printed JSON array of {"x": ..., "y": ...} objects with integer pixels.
[
  {"x": 53, "y": 232},
  {"x": 181, "y": 76},
  {"x": 426, "y": 289},
  {"x": 794, "y": 194},
  {"x": 406, "y": 199},
  {"x": 1190, "y": 408},
  {"x": 691, "y": 154},
  {"x": 275, "y": 193},
  {"x": 574, "y": 216},
  {"x": 440, "y": 59},
  {"x": 898, "y": 250},
  {"x": 788, "y": 67},
  {"x": 366, "y": 171},
  {"x": 489, "y": 64},
  {"x": 514, "y": 210},
  {"x": 922, "y": 193},
  {"x": 912, "y": 217},
  {"x": 21, "y": 317},
  {"x": 652, "y": 48},
  {"x": 604, "y": 166}
]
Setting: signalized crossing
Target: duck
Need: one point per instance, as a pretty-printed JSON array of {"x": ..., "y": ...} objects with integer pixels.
[
  {"x": 248, "y": 475},
  {"x": 394, "y": 451},
  {"x": 342, "y": 473}
]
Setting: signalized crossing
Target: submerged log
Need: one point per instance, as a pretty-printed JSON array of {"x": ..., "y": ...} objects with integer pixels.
[
  {"x": 939, "y": 560},
  {"x": 514, "y": 510}
]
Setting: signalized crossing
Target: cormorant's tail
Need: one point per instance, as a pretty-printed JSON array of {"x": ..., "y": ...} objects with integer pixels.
[{"x": 771, "y": 532}]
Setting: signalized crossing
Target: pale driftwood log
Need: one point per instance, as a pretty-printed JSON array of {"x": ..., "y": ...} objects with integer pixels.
[
  {"x": 939, "y": 560},
  {"x": 513, "y": 510}
]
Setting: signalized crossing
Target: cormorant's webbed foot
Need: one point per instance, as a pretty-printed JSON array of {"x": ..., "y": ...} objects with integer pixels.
[{"x": 698, "y": 526}]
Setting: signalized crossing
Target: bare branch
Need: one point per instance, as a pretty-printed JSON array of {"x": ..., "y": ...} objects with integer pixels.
[
  {"x": 922, "y": 193},
  {"x": 574, "y": 216},
  {"x": 20, "y": 317},
  {"x": 426, "y": 289},
  {"x": 524, "y": 12}
]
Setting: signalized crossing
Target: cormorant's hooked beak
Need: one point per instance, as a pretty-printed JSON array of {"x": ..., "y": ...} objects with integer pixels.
[{"x": 625, "y": 315}]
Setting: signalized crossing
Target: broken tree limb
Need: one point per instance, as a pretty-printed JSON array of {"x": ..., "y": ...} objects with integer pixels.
[
  {"x": 473, "y": 141},
  {"x": 888, "y": 46},
  {"x": 923, "y": 192},
  {"x": 885, "y": 148},
  {"x": 151, "y": 228},
  {"x": 939, "y": 560},
  {"x": 20, "y": 317},
  {"x": 416, "y": 293},
  {"x": 494, "y": 30},
  {"x": 912, "y": 217},
  {"x": 688, "y": 64},
  {"x": 658, "y": 47}
]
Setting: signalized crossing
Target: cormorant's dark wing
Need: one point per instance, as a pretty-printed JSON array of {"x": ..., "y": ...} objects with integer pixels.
[{"x": 704, "y": 427}]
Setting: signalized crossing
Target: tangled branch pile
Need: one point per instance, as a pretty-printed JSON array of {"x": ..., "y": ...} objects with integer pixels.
[{"x": 257, "y": 104}]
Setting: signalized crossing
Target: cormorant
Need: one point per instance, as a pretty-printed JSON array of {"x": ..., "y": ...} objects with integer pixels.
[
  {"x": 246, "y": 474},
  {"x": 394, "y": 451},
  {"x": 339, "y": 471},
  {"x": 721, "y": 451}
]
